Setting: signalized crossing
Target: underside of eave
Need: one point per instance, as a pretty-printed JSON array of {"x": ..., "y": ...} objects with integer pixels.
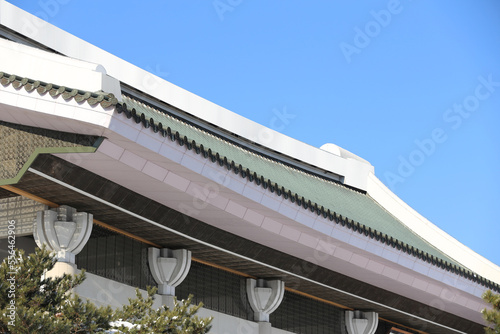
[
  {"x": 117, "y": 195},
  {"x": 22, "y": 144}
]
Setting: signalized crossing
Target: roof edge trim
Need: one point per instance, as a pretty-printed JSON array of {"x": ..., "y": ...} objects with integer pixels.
[
  {"x": 355, "y": 173},
  {"x": 429, "y": 231}
]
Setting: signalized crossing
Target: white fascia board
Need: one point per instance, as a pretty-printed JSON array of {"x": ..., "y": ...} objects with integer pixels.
[
  {"x": 355, "y": 173},
  {"x": 430, "y": 232},
  {"x": 36, "y": 64},
  {"x": 32, "y": 109}
]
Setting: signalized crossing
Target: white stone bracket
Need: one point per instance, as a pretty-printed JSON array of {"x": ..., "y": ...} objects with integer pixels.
[
  {"x": 358, "y": 322},
  {"x": 63, "y": 230},
  {"x": 264, "y": 296},
  {"x": 169, "y": 268}
]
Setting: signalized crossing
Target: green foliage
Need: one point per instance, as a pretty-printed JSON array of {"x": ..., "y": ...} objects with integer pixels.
[
  {"x": 42, "y": 305},
  {"x": 178, "y": 320},
  {"x": 492, "y": 316},
  {"x": 47, "y": 305}
]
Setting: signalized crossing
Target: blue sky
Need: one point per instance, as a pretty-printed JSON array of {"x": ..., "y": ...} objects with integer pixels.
[{"x": 411, "y": 86}]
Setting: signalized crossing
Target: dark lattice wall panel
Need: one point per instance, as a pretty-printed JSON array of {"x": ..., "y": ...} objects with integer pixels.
[
  {"x": 299, "y": 314},
  {"x": 218, "y": 290},
  {"x": 116, "y": 257}
]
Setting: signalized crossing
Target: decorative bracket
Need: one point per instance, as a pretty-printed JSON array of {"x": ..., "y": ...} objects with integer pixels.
[
  {"x": 63, "y": 230},
  {"x": 358, "y": 322},
  {"x": 169, "y": 268},
  {"x": 264, "y": 296}
]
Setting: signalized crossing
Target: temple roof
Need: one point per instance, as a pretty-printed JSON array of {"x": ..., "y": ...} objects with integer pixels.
[{"x": 341, "y": 204}]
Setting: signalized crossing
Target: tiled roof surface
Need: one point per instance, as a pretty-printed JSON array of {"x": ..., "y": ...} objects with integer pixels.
[{"x": 340, "y": 204}]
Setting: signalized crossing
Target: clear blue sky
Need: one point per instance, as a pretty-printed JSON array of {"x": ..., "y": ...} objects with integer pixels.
[{"x": 411, "y": 86}]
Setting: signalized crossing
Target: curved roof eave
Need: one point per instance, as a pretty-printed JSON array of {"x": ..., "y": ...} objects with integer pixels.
[
  {"x": 332, "y": 200},
  {"x": 354, "y": 172}
]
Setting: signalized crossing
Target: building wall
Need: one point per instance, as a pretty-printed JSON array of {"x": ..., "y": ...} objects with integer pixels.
[
  {"x": 104, "y": 291},
  {"x": 222, "y": 293},
  {"x": 116, "y": 263}
]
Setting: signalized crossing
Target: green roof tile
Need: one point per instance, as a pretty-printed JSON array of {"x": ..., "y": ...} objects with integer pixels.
[{"x": 328, "y": 194}]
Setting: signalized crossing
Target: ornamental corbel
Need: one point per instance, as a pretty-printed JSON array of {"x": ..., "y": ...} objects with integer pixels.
[
  {"x": 358, "y": 322},
  {"x": 169, "y": 268},
  {"x": 264, "y": 296},
  {"x": 63, "y": 230}
]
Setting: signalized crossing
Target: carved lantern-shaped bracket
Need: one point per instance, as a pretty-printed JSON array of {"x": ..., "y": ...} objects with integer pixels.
[
  {"x": 358, "y": 322},
  {"x": 264, "y": 296},
  {"x": 63, "y": 230},
  {"x": 169, "y": 268}
]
